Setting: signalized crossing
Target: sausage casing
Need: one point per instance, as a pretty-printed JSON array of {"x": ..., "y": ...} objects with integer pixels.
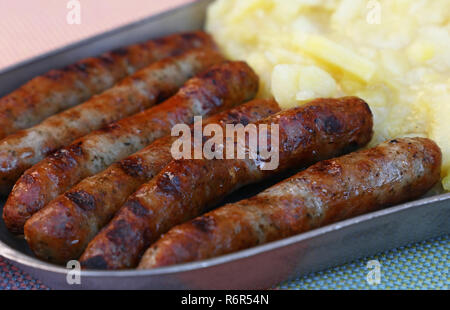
[
  {"x": 90, "y": 204},
  {"x": 61, "y": 89},
  {"x": 220, "y": 87},
  {"x": 185, "y": 188},
  {"x": 135, "y": 93},
  {"x": 330, "y": 191}
]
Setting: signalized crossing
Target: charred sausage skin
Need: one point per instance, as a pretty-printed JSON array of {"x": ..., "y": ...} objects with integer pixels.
[
  {"x": 61, "y": 89},
  {"x": 184, "y": 189},
  {"x": 330, "y": 191},
  {"x": 135, "y": 93},
  {"x": 90, "y": 204},
  {"x": 220, "y": 87}
]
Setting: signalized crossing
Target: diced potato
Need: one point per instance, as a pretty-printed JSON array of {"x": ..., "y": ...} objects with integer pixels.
[
  {"x": 316, "y": 82},
  {"x": 287, "y": 10},
  {"x": 440, "y": 130},
  {"x": 285, "y": 84},
  {"x": 395, "y": 64},
  {"x": 351, "y": 86},
  {"x": 303, "y": 24},
  {"x": 339, "y": 56},
  {"x": 279, "y": 55},
  {"x": 347, "y": 10},
  {"x": 305, "y": 95},
  {"x": 374, "y": 97},
  {"x": 440, "y": 123},
  {"x": 421, "y": 52},
  {"x": 293, "y": 84},
  {"x": 446, "y": 182},
  {"x": 263, "y": 67},
  {"x": 242, "y": 9}
]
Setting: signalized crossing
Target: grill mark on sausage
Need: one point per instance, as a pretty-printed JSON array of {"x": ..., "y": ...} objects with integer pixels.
[
  {"x": 95, "y": 262},
  {"x": 187, "y": 36},
  {"x": 28, "y": 179},
  {"x": 120, "y": 51},
  {"x": 62, "y": 159},
  {"x": 132, "y": 166},
  {"x": 107, "y": 59},
  {"x": 67, "y": 158},
  {"x": 170, "y": 184},
  {"x": 110, "y": 128},
  {"x": 55, "y": 75},
  {"x": 82, "y": 199},
  {"x": 120, "y": 233},
  {"x": 137, "y": 208},
  {"x": 332, "y": 125},
  {"x": 205, "y": 224}
]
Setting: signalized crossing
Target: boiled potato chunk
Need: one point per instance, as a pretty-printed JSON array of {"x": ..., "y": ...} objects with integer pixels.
[
  {"x": 294, "y": 84},
  {"x": 421, "y": 52},
  {"x": 285, "y": 84},
  {"x": 339, "y": 56}
]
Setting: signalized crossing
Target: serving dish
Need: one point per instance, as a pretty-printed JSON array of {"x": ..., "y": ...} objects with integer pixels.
[{"x": 259, "y": 267}]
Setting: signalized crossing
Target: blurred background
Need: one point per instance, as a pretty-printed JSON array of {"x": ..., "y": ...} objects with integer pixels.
[{"x": 30, "y": 28}]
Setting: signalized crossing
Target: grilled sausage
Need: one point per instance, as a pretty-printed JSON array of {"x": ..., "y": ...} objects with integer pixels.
[
  {"x": 58, "y": 90},
  {"x": 221, "y": 87},
  {"x": 140, "y": 91},
  {"x": 90, "y": 204},
  {"x": 330, "y": 191},
  {"x": 186, "y": 188}
]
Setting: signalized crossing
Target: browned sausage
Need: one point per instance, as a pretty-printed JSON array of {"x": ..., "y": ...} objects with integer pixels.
[
  {"x": 58, "y": 90},
  {"x": 186, "y": 188},
  {"x": 221, "y": 87},
  {"x": 140, "y": 91},
  {"x": 330, "y": 191},
  {"x": 90, "y": 204}
]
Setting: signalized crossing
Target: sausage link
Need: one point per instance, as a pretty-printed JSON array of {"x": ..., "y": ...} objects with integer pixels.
[
  {"x": 135, "y": 93},
  {"x": 221, "y": 87},
  {"x": 61, "y": 89},
  {"x": 185, "y": 188},
  {"x": 90, "y": 204},
  {"x": 330, "y": 191}
]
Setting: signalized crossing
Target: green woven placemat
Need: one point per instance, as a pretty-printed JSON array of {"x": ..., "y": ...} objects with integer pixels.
[{"x": 423, "y": 265}]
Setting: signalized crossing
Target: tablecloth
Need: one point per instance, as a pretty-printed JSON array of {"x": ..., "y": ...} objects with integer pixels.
[
  {"x": 32, "y": 28},
  {"x": 423, "y": 265}
]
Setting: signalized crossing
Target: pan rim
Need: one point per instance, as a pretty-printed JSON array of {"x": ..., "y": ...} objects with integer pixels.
[{"x": 29, "y": 261}]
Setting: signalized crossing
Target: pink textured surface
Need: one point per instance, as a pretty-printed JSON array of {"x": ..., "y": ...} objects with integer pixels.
[{"x": 30, "y": 28}]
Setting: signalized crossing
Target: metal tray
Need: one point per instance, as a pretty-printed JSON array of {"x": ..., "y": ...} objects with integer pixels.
[{"x": 256, "y": 268}]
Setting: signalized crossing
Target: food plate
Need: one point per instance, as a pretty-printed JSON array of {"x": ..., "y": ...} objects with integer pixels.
[{"x": 259, "y": 267}]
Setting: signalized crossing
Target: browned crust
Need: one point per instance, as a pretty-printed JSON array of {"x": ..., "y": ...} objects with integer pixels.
[
  {"x": 60, "y": 89},
  {"x": 99, "y": 197},
  {"x": 221, "y": 87},
  {"x": 138, "y": 92},
  {"x": 185, "y": 188},
  {"x": 330, "y": 191}
]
